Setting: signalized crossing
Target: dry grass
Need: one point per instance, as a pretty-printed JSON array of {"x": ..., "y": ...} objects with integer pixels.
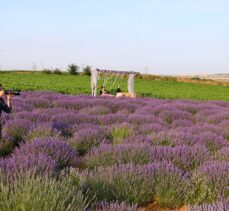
[{"x": 195, "y": 80}]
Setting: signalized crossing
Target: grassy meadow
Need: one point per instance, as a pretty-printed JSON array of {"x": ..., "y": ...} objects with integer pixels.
[{"x": 77, "y": 84}]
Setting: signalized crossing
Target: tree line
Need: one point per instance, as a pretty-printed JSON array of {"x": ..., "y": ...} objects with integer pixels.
[{"x": 72, "y": 69}]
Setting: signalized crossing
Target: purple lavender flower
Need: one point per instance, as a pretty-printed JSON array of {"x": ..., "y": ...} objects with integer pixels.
[
  {"x": 163, "y": 138},
  {"x": 212, "y": 141},
  {"x": 38, "y": 102},
  {"x": 189, "y": 158},
  {"x": 181, "y": 123},
  {"x": 95, "y": 110},
  {"x": 40, "y": 163},
  {"x": 85, "y": 139},
  {"x": 61, "y": 152},
  {"x": 185, "y": 157},
  {"x": 139, "y": 119},
  {"x": 16, "y": 130},
  {"x": 134, "y": 139},
  {"x": 215, "y": 175},
  {"x": 42, "y": 131},
  {"x": 33, "y": 116},
  {"x": 111, "y": 119},
  {"x": 108, "y": 154},
  {"x": 67, "y": 118},
  {"x": 151, "y": 128},
  {"x": 170, "y": 115},
  {"x": 181, "y": 138},
  {"x": 137, "y": 183},
  {"x": 118, "y": 133},
  {"x": 223, "y": 154},
  {"x": 201, "y": 128}
]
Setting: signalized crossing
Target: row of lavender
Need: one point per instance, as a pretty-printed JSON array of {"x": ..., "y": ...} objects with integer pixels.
[{"x": 128, "y": 152}]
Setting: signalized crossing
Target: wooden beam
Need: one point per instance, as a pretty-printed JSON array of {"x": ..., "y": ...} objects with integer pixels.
[{"x": 117, "y": 72}]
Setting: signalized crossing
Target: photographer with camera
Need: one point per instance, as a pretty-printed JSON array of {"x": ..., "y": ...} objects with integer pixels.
[{"x": 6, "y": 107}]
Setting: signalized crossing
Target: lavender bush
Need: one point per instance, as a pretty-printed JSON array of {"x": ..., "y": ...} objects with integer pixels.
[
  {"x": 6, "y": 148},
  {"x": 132, "y": 151},
  {"x": 42, "y": 131},
  {"x": 118, "y": 183},
  {"x": 16, "y": 130},
  {"x": 184, "y": 157},
  {"x": 96, "y": 110},
  {"x": 108, "y": 154},
  {"x": 171, "y": 186},
  {"x": 119, "y": 132},
  {"x": 31, "y": 192},
  {"x": 139, "y": 184},
  {"x": 213, "y": 176},
  {"x": 59, "y": 151},
  {"x": 85, "y": 139},
  {"x": 223, "y": 154},
  {"x": 39, "y": 163}
]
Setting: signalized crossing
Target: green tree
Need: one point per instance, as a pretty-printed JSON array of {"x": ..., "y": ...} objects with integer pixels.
[
  {"x": 73, "y": 69},
  {"x": 57, "y": 71},
  {"x": 87, "y": 70},
  {"x": 47, "y": 71}
]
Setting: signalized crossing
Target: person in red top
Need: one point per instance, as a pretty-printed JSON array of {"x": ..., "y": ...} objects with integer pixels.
[{"x": 6, "y": 107}]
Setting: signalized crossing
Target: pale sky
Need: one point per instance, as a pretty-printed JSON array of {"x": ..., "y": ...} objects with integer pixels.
[{"x": 149, "y": 36}]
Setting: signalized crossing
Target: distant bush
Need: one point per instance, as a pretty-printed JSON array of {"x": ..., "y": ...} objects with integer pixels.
[
  {"x": 139, "y": 76},
  {"x": 196, "y": 78},
  {"x": 73, "y": 69},
  {"x": 158, "y": 77},
  {"x": 47, "y": 71},
  {"x": 57, "y": 71}
]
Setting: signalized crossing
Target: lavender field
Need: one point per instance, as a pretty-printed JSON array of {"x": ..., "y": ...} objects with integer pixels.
[{"x": 63, "y": 152}]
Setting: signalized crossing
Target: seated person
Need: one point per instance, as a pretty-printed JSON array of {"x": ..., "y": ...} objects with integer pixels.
[
  {"x": 103, "y": 92},
  {"x": 119, "y": 93},
  {"x": 124, "y": 94}
]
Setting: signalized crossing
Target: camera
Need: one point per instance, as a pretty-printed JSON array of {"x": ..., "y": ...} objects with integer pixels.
[{"x": 12, "y": 92}]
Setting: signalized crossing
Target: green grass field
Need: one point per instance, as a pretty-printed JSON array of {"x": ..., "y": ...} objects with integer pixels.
[{"x": 71, "y": 84}]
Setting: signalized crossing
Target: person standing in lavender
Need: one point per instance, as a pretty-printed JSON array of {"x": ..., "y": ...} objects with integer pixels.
[{"x": 6, "y": 107}]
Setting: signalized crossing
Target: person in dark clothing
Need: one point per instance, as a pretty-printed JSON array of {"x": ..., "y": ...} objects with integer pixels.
[{"x": 6, "y": 107}]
